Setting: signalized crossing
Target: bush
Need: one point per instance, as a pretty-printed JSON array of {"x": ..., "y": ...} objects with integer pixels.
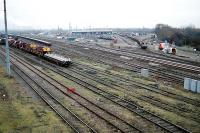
[{"x": 181, "y": 36}]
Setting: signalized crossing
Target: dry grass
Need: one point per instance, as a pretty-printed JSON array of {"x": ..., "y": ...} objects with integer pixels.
[
  {"x": 20, "y": 113},
  {"x": 175, "y": 118},
  {"x": 119, "y": 111}
]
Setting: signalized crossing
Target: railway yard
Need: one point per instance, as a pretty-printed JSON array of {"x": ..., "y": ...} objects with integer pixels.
[{"x": 97, "y": 86}]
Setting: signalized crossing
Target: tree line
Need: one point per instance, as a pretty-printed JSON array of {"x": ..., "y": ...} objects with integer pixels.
[{"x": 189, "y": 36}]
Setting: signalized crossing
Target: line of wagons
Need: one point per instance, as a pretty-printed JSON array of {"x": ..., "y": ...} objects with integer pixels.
[{"x": 38, "y": 47}]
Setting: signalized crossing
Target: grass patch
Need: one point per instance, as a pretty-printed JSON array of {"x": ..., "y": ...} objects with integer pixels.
[
  {"x": 20, "y": 113},
  {"x": 186, "y": 48}
]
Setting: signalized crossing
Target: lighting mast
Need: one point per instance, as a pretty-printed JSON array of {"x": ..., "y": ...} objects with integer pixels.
[{"x": 7, "y": 46}]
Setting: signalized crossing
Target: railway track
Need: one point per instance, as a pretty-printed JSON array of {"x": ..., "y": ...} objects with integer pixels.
[
  {"x": 165, "y": 125},
  {"x": 157, "y": 74},
  {"x": 122, "y": 126},
  {"x": 148, "y": 58},
  {"x": 164, "y": 57},
  {"x": 171, "y": 69},
  {"x": 166, "y": 93},
  {"x": 106, "y": 59},
  {"x": 66, "y": 114},
  {"x": 150, "y": 87},
  {"x": 144, "y": 53},
  {"x": 174, "y": 62},
  {"x": 159, "y": 55},
  {"x": 165, "y": 72},
  {"x": 142, "y": 97},
  {"x": 127, "y": 104},
  {"x": 141, "y": 52}
]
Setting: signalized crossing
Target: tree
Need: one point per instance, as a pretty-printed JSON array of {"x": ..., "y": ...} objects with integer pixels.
[{"x": 181, "y": 36}]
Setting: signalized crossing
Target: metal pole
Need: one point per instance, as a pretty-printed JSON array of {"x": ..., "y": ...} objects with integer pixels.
[{"x": 7, "y": 46}]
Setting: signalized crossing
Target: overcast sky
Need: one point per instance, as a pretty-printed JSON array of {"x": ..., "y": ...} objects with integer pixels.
[{"x": 44, "y": 14}]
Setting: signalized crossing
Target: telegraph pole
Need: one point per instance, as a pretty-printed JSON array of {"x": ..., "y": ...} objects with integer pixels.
[{"x": 7, "y": 46}]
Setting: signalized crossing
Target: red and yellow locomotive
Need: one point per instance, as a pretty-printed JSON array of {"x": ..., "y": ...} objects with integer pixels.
[{"x": 31, "y": 47}]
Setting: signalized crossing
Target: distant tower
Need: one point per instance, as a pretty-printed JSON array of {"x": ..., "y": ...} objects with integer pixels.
[{"x": 70, "y": 28}]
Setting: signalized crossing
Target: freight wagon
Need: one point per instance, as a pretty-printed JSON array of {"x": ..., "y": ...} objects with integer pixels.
[
  {"x": 43, "y": 51},
  {"x": 58, "y": 59}
]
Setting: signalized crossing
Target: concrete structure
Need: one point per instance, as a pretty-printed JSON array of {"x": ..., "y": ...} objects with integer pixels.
[
  {"x": 193, "y": 85},
  {"x": 145, "y": 72},
  {"x": 187, "y": 83},
  {"x": 198, "y": 86}
]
